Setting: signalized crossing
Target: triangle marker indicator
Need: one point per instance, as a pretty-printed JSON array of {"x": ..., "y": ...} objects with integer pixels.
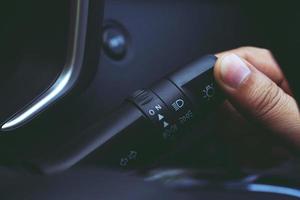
[
  {"x": 166, "y": 124},
  {"x": 160, "y": 117}
]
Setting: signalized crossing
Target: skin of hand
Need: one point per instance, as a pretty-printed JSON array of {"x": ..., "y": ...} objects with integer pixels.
[{"x": 261, "y": 118}]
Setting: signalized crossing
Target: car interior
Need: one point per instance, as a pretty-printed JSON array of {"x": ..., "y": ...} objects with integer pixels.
[{"x": 74, "y": 107}]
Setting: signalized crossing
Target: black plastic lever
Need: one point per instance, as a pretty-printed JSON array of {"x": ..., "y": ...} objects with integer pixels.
[{"x": 148, "y": 123}]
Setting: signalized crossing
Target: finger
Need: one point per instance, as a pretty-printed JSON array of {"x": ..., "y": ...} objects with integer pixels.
[
  {"x": 258, "y": 97},
  {"x": 264, "y": 61}
]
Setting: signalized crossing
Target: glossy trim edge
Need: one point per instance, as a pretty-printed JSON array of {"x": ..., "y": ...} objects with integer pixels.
[
  {"x": 273, "y": 189},
  {"x": 67, "y": 77}
]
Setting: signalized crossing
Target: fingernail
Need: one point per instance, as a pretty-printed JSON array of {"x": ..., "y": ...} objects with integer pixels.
[{"x": 233, "y": 70}]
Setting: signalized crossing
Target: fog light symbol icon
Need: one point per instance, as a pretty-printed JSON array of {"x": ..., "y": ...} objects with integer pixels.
[{"x": 209, "y": 92}]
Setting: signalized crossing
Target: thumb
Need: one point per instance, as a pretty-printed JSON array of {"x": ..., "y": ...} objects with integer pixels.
[{"x": 258, "y": 97}]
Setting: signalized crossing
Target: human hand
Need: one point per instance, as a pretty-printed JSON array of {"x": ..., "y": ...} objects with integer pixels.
[{"x": 258, "y": 92}]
